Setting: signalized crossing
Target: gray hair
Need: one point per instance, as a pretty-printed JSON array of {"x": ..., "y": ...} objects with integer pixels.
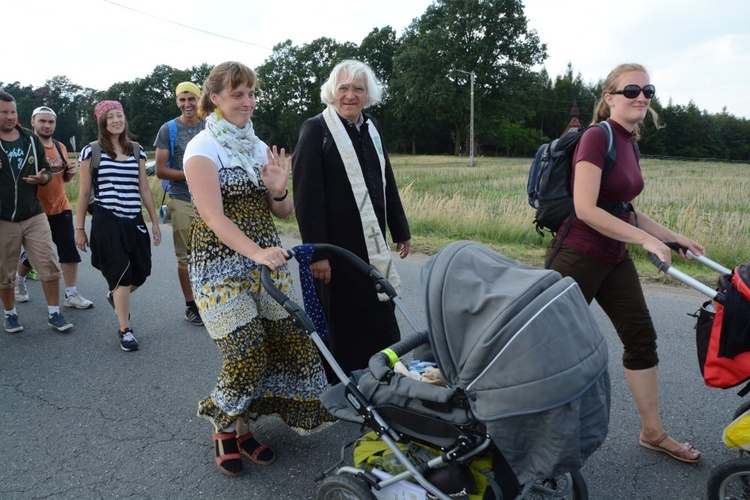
[{"x": 354, "y": 70}]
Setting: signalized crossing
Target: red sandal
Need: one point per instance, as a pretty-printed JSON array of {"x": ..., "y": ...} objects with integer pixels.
[
  {"x": 261, "y": 454},
  {"x": 228, "y": 458}
]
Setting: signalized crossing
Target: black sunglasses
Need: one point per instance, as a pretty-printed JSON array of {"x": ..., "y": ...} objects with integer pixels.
[{"x": 632, "y": 91}]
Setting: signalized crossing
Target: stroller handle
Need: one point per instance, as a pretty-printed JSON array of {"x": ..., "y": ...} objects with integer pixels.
[
  {"x": 380, "y": 363},
  {"x": 689, "y": 280},
  {"x": 381, "y": 284},
  {"x": 295, "y": 311}
]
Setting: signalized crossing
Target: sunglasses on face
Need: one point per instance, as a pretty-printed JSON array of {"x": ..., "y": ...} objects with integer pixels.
[{"x": 632, "y": 91}]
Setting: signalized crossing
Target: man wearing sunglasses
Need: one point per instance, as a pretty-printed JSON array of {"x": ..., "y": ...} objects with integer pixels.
[{"x": 594, "y": 252}]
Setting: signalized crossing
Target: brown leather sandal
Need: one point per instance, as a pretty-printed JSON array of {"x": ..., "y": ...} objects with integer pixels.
[
  {"x": 685, "y": 453},
  {"x": 228, "y": 458},
  {"x": 252, "y": 449}
]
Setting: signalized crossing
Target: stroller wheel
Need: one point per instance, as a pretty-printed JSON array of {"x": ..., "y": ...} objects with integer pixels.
[
  {"x": 742, "y": 409},
  {"x": 730, "y": 480},
  {"x": 344, "y": 487},
  {"x": 570, "y": 486}
]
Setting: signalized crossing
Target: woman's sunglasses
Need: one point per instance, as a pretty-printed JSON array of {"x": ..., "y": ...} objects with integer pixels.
[{"x": 632, "y": 91}]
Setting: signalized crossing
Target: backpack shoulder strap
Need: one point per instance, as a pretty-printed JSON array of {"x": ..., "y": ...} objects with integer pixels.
[
  {"x": 172, "y": 124},
  {"x": 59, "y": 151},
  {"x": 327, "y": 137},
  {"x": 611, "y": 157},
  {"x": 96, "y": 155},
  {"x": 609, "y": 163}
]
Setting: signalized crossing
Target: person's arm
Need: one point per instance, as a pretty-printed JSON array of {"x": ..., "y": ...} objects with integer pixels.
[
  {"x": 70, "y": 168},
  {"x": 396, "y": 216},
  {"x": 275, "y": 176},
  {"x": 308, "y": 182},
  {"x": 162, "y": 167},
  {"x": 648, "y": 234},
  {"x": 663, "y": 233},
  {"x": 44, "y": 172},
  {"x": 203, "y": 179},
  {"x": 147, "y": 197},
  {"x": 84, "y": 195}
]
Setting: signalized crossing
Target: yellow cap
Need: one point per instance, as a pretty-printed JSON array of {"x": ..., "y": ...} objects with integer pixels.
[{"x": 188, "y": 87}]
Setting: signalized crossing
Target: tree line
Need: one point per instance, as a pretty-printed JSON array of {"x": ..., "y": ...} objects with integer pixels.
[{"x": 427, "y": 77}]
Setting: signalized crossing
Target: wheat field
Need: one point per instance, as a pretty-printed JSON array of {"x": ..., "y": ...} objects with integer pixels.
[{"x": 446, "y": 200}]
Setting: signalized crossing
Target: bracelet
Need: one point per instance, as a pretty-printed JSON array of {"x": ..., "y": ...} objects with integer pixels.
[
  {"x": 281, "y": 198},
  {"x": 80, "y": 229}
]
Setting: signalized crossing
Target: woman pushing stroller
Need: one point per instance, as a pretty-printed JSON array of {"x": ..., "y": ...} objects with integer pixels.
[{"x": 594, "y": 251}]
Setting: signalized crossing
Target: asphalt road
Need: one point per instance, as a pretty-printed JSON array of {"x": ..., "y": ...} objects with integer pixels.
[{"x": 83, "y": 419}]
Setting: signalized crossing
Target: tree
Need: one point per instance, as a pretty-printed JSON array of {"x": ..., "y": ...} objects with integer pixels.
[
  {"x": 290, "y": 87},
  {"x": 487, "y": 37},
  {"x": 378, "y": 49}
]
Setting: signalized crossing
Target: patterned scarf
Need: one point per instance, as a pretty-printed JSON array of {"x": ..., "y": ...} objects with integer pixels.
[{"x": 240, "y": 144}]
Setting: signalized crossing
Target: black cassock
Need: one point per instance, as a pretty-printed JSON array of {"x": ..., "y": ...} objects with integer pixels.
[{"x": 359, "y": 324}]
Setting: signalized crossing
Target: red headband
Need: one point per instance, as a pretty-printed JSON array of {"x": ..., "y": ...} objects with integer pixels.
[{"x": 105, "y": 106}]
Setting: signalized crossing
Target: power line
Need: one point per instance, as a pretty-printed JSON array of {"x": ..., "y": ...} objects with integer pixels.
[{"x": 186, "y": 26}]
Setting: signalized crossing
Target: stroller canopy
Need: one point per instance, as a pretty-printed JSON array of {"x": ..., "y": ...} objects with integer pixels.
[{"x": 524, "y": 345}]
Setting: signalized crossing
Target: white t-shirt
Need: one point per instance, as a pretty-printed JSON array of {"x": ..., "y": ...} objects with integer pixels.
[{"x": 204, "y": 144}]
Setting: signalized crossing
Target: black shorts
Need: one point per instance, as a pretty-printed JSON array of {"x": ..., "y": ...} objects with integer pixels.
[
  {"x": 120, "y": 248},
  {"x": 63, "y": 235}
]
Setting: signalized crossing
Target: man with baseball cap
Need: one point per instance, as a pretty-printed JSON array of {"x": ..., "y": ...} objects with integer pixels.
[
  {"x": 59, "y": 212},
  {"x": 170, "y": 145},
  {"x": 23, "y": 168}
]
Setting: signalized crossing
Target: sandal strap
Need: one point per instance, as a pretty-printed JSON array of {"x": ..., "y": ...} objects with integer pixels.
[
  {"x": 241, "y": 439},
  {"x": 220, "y": 459},
  {"x": 257, "y": 451},
  {"x": 224, "y": 436},
  {"x": 686, "y": 451},
  {"x": 219, "y": 438},
  {"x": 655, "y": 442}
]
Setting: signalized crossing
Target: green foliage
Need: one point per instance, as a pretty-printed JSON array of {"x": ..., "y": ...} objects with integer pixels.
[
  {"x": 426, "y": 109},
  {"x": 445, "y": 201}
]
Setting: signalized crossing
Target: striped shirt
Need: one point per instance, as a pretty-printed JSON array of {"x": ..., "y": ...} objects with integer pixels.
[{"x": 117, "y": 182}]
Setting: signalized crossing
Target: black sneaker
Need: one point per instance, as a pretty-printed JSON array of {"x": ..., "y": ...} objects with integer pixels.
[
  {"x": 193, "y": 317},
  {"x": 127, "y": 340}
]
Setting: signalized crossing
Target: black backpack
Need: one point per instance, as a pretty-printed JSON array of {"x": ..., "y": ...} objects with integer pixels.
[{"x": 549, "y": 189}]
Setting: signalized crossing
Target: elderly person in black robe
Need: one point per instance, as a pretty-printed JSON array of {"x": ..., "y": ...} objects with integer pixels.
[{"x": 345, "y": 194}]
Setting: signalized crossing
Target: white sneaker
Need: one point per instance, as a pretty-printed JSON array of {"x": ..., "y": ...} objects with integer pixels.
[
  {"x": 22, "y": 294},
  {"x": 77, "y": 301}
]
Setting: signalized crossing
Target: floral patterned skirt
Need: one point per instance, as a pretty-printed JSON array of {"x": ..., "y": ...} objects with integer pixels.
[{"x": 268, "y": 368}]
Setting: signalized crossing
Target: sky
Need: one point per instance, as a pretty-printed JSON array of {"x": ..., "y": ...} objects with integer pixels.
[{"x": 695, "y": 50}]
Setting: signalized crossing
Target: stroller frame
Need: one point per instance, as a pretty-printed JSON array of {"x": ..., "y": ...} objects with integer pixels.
[
  {"x": 730, "y": 475},
  {"x": 466, "y": 445}
]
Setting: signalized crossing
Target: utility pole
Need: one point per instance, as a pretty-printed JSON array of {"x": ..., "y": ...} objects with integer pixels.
[{"x": 471, "y": 117}]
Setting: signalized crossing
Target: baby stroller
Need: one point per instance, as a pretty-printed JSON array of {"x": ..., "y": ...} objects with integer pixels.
[
  {"x": 526, "y": 372},
  {"x": 723, "y": 347}
]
